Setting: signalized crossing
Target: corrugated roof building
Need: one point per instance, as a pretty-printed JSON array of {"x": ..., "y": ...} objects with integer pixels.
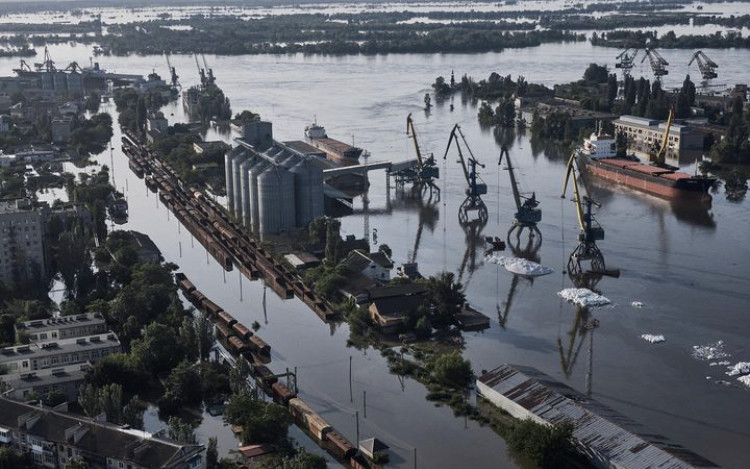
[{"x": 608, "y": 438}]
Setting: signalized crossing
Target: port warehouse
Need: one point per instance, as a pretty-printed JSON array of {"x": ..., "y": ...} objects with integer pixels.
[
  {"x": 273, "y": 187},
  {"x": 221, "y": 237},
  {"x": 242, "y": 343},
  {"x": 610, "y": 440}
]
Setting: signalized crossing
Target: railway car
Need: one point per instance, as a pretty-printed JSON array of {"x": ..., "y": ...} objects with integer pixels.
[
  {"x": 226, "y": 319},
  {"x": 281, "y": 393},
  {"x": 264, "y": 375},
  {"x": 258, "y": 345},
  {"x": 339, "y": 446},
  {"x": 242, "y": 332},
  {"x": 237, "y": 345},
  {"x": 223, "y": 332},
  {"x": 211, "y": 308},
  {"x": 313, "y": 422}
]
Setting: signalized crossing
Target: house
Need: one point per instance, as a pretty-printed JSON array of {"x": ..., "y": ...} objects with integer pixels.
[
  {"x": 255, "y": 456},
  {"x": 374, "y": 448},
  {"x": 302, "y": 260},
  {"x": 52, "y": 437},
  {"x": 145, "y": 247},
  {"x": 376, "y": 265},
  {"x": 391, "y": 305}
]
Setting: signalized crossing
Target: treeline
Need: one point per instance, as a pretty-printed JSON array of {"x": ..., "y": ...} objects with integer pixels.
[
  {"x": 669, "y": 40},
  {"x": 735, "y": 147},
  {"x": 315, "y": 34}
]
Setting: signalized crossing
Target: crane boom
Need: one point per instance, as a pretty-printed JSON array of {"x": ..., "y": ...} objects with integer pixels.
[
  {"x": 664, "y": 146},
  {"x": 570, "y": 174},
  {"x": 513, "y": 183},
  {"x": 410, "y": 131},
  {"x": 460, "y": 152},
  {"x": 705, "y": 65}
]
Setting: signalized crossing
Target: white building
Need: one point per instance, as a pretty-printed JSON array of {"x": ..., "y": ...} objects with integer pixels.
[{"x": 21, "y": 242}]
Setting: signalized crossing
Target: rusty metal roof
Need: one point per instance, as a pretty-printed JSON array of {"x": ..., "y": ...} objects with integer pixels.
[{"x": 597, "y": 427}]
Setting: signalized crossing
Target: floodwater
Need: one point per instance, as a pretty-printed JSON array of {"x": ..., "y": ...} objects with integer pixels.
[{"x": 686, "y": 263}]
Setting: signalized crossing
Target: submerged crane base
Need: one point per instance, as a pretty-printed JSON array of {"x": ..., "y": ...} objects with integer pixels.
[
  {"x": 586, "y": 251},
  {"x": 535, "y": 236}
]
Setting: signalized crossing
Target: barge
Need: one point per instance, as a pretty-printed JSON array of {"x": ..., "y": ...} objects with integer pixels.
[
  {"x": 335, "y": 150},
  {"x": 598, "y": 155}
]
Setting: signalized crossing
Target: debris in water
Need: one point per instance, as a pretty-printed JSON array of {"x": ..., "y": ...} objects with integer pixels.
[
  {"x": 654, "y": 339},
  {"x": 723, "y": 382},
  {"x": 583, "y": 297},
  {"x": 744, "y": 380},
  {"x": 741, "y": 368},
  {"x": 710, "y": 352},
  {"x": 721, "y": 363},
  {"x": 519, "y": 265},
  {"x": 636, "y": 304}
]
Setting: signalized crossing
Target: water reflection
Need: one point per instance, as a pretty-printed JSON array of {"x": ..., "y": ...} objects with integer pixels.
[
  {"x": 473, "y": 239},
  {"x": 583, "y": 325}
]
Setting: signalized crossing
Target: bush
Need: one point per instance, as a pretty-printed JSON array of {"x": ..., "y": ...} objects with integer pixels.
[
  {"x": 547, "y": 446},
  {"x": 451, "y": 369}
]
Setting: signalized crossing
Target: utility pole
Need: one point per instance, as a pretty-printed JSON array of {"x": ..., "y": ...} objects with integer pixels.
[
  {"x": 351, "y": 396},
  {"x": 364, "y": 402}
]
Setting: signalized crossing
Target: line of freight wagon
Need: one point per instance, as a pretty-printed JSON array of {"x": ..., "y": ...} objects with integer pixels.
[
  {"x": 221, "y": 236},
  {"x": 241, "y": 342}
]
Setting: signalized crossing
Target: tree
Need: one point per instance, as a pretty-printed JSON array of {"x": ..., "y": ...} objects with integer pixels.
[
  {"x": 180, "y": 431},
  {"x": 304, "y": 460},
  {"x": 212, "y": 454},
  {"x": 106, "y": 399},
  {"x": 12, "y": 459},
  {"x": 453, "y": 370},
  {"x": 189, "y": 339},
  {"x": 596, "y": 73},
  {"x": 205, "y": 332},
  {"x": 261, "y": 422},
  {"x": 446, "y": 296},
  {"x": 158, "y": 350},
  {"x": 77, "y": 463},
  {"x": 132, "y": 413},
  {"x": 547, "y": 446},
  {"x": 184, "y": 384}
]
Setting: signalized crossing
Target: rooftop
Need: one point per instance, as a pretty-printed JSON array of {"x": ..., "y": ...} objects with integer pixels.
[
  {"x": 64, "y": 322},
  {"x": 47, "y": 376},
  {"x": 76, "y": 344},
  {"x": 625, "y": 443},
  {"x": 94, "y": 437}
]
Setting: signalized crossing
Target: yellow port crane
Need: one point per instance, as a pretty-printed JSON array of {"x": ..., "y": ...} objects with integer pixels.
[
  {"x": 426, "y": 170},
  {"x": 589, "y": 229},
  {"x": 660, "y": 154}
]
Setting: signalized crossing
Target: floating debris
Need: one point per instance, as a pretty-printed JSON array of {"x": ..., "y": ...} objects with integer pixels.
[
  {"x": 721, "y": 363},
  {"x": 654, "y": 339},
  {"x": 636, "y": 304},
  {"x": 519, "y": 265},
  {"x": 583, "y": 297},
  {"x": 741, "y": 368},
  {"x": 744, "y": 380},
  {"x": 710, "y": 352}
]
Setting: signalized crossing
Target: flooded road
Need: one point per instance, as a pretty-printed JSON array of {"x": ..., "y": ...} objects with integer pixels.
[{"x": 686, "y": 264}]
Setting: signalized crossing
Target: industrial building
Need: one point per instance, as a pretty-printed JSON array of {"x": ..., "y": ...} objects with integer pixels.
[
  {"x": 272, "y": 187},
  {"x": 609, "y": 439},
  {"x": 21, "y": 242},
  {"x": 53, "y": 437},
  {"x": 644, "y": 134}
]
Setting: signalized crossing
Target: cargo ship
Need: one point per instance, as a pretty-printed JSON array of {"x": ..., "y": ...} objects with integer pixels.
[
  {"x": 598, "y": 155},
  {"x": 336, "y": 151}
]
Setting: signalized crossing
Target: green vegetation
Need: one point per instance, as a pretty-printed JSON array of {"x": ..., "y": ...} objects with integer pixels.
[
  {"x": 261, "y": 422},
  {"x": 91, "y": 136},
  {"x": 548, "y": 446},
  {"x": 670, "y": 40},
  {"x": 452, "y": 370},
  {"x": 735, "y": 148}
]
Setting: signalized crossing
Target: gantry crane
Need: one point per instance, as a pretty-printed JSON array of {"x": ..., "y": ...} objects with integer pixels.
[
  {"x": 658, "y": 63},
  {"x": 175, "y": 79},
  {"x": 427, "y": 169},
  {"x": 527, "y": 214},
  {"x": 707, "y": 66},
  {"x": 590, "y": 230},
  {"x": 660, "y": 154},
  {"x": 210, "y": 71},
  {"x": 626, "y": 60},
  {"x": 472, "y": 210}
]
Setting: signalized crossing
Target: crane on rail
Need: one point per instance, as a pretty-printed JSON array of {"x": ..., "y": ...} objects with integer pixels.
[
  {"x": 590, "y": 230},
  {"x": 527, "y": 214},
  {"x": 658, "y": 63},
  {"x": 707, "y": 66},
  {"x": 175, "y": 79},
  {"x": 472, "y": 210},
  {"x": 626, "y": 60},
  {"x": 427, "y": 169}
]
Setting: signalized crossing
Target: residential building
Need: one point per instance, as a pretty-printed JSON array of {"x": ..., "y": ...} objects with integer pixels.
[
  {"x": 61, "y": 129},
  {"x": 21, "y": 242},
  {"x": 646, "y": 134},
  {"x": 390, "y": 306},
  {"x": 65, "y": 380},
  {"x": 145, "y": 247},
  {"x": 52, "y": 437},
  {"x": 38, "y": 356},
  {"x": 65, "y": 327},
  {"x": 376, "y": 265},
  {"x": 610, "y": 440}
]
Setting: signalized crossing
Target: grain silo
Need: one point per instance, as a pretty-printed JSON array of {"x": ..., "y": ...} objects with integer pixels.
[
  {"x": 228, "y": 158},
  {"x": 75, "y": 83},
  {"x": 276, "y": 200},
  {"x": 255, "y": 171},
  {"x": 308, "y": 192},
  {"x": 236, "y": 193},
  {"x": 244, "y": 209}
]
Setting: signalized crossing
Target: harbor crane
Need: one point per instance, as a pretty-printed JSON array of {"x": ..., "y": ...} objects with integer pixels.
[
  {"x": 707, "y": 66},
  {"x": 590, "y": 230},
  {"x": 658, "y": 63},
  {"x": 210, "y": 71},
  {"x": 201, "y": 71},
  {"x": 427, "y": 169},
  {"x": 626, "y": 60},
  {"x": 527, "y": 214},
  {"x": 659, "y": 156},
  {"x": 472, "y": 210},
  {"x": 175, "y": 79}
]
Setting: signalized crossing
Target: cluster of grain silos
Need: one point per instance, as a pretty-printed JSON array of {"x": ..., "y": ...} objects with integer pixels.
[{"x": 275, "y": 190}]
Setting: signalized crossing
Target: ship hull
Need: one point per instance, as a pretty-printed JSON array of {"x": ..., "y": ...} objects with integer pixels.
[{"x": 669, "y": 188}]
